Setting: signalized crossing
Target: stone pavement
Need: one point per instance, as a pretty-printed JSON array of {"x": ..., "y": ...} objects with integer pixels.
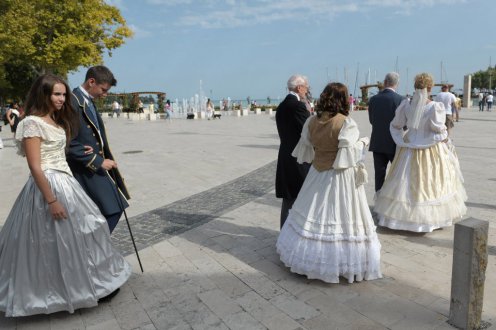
[{"x": 206, "y": 220}]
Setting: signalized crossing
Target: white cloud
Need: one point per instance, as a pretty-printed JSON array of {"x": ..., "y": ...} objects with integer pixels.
[{"x": 235, "y": 13}]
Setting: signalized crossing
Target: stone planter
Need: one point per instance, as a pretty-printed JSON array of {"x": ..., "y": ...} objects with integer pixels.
[
  {"x": 236, "y": 113},
  {"x": 258, "y": 111},
  {"x": 245, "y": 112},
  {"x": 268, "y": 111}
]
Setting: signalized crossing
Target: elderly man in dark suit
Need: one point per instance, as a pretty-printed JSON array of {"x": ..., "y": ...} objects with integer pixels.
[
  {"x": 382, "y": 108},
  {"x": 96, "y": 171},
  {"x": 291, "y": 114}
]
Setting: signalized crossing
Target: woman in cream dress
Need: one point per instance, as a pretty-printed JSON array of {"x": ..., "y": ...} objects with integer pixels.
[
  {"x": 329, "y": 231},
  {"x": 423, "y": 190},
  {"x": 55, "y": 249}
]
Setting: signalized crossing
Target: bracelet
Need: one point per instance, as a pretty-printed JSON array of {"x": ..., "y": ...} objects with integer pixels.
[{"x": 52, "y": 201}]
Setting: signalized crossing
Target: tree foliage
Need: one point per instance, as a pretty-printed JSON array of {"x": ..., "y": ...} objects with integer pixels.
[
  {"x": 56, "y": 36},
  {"x": 482, "y": 79}
]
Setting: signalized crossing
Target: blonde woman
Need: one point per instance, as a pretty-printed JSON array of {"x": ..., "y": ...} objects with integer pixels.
[{"x": 423, "y": 190}]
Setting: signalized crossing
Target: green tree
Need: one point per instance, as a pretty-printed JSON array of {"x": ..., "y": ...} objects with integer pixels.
[
  {"x": 482, "y": 79},
  {"x": 57, "y": 36}
]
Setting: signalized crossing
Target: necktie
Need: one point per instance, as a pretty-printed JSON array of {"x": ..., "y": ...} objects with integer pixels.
[{"x": 92, "y": 113}]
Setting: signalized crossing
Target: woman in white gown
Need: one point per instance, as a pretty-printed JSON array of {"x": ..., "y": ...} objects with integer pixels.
[
  {"x": 329, "y": 231},
  {"x": 210, "y": 109},
  {"x": 423, "y": 189},
  {"x": 55, "y": 249}
]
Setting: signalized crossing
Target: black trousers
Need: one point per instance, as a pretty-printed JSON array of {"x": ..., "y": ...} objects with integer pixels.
[
  {"x": 287, "y": 204},
  {"x": 380, "y": 165}
]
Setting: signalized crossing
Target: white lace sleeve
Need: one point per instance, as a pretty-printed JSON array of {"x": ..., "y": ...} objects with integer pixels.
[
  {"x": 28, "y": 127},
  {"x": 304, "y": 152},
  {"x": 438, "y": 118},
  {"x": 351, "y": 148}
]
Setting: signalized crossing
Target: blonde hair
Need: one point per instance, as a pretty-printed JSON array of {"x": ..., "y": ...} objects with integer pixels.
[{"x": 423, "y": 80}]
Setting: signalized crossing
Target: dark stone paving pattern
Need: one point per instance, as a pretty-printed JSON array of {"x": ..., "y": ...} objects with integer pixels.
[{"x": 158, "y": 224}]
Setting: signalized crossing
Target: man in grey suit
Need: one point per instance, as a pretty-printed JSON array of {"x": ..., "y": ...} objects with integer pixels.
[{"x": 382, "y": 108}]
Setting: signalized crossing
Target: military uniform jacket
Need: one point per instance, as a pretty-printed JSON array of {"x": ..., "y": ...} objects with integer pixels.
[
  {"x": 291, "y": 114},
  {"x": 98, "y": 183}
]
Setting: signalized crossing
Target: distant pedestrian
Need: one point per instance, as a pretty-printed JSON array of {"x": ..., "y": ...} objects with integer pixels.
[
  {"x": 489, "y": 101},
  {"x": 448, "y": 99},
  {"x": 168, "y": 111},
  {"x": 351, "y": 100},
  {"x": 291, "y": 114},
  {"x": 457, "y": 108},
  {"x": 481, "y": 101},
  {"x": 116, "y": 108},
  {"x": 210, "y": 109},
  {"x": 13, "y": 116}
]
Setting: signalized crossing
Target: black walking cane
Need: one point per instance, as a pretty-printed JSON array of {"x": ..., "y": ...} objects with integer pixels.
[{"x": 127, "y": 220}]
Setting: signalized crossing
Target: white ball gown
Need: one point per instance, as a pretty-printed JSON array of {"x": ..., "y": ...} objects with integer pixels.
[
  {"x": 329, "y": 231},
  {"x": 423, "y": 190},
  {"x": 49, "y": 265}
]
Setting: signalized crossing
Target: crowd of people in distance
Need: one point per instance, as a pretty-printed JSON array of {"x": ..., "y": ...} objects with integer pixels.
[{"x": 485, "y": 101}]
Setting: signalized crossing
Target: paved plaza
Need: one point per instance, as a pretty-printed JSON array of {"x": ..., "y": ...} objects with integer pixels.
[{"x": 205, "y": 218}]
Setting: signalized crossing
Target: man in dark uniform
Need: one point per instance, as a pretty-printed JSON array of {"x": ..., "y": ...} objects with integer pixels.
[
  {"x": 97, "y": 171},
  {"x": 291, "y": 114},
  {"x": 382, "y": 108}
]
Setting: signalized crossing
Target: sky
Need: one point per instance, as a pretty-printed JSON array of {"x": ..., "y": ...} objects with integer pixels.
[{"x": 241, "y": 48}]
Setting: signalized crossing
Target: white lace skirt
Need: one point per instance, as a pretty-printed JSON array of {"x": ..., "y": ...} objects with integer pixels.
[
  {"x": 423, "y": 190},
  {"x": 329, "y": 231},
  {"x": 50, "y": 265}
]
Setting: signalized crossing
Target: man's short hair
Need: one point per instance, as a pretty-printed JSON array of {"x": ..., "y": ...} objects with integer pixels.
[
  {"x": 444, "y": 88},
  {"x": 296, "y": 80},
  {"x": 101, "y": 74},
  {"x": 391, "y": 79}
]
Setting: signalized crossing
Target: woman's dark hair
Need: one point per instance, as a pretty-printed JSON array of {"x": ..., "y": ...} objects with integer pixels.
[
  {"x": 333, "y": 100},
  {"x": 39, "y": 103}
]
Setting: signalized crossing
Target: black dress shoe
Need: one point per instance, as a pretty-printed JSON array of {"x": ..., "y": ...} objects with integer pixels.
[{"x": 109, "y": 297}]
